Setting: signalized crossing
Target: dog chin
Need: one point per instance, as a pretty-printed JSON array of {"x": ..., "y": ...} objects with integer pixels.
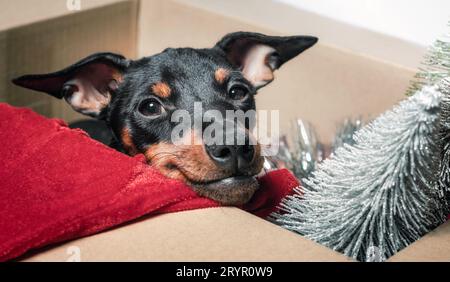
[{"x": 232, "y": 191}]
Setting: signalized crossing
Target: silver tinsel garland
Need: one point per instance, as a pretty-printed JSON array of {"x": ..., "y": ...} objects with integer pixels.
[
  {"x": 375, "y": 197},
  {"x": 307, "y": 151},
  {"x": 346, "y": 132}
]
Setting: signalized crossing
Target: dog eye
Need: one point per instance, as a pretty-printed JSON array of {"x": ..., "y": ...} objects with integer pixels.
[
  {"x": 238, "y": 92},
  {"x": 151, "y": 108},
  {"x": 68, "y": 90}
]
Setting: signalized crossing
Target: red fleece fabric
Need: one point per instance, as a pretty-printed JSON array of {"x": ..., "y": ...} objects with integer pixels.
[{"x": 58, "y": 184}]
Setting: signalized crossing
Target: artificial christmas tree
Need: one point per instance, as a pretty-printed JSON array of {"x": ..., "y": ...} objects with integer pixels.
[
  {"x": 444, "y": 172},
  {"x": 438, "y": 65},
  {"x": 375, "y": 197},
  {"x": 379, "y": 194}
]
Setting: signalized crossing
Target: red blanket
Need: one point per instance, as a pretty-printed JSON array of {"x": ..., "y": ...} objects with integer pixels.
[{"x": 58, "y": 184}]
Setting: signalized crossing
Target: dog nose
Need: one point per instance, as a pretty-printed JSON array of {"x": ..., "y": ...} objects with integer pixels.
[{"x": 236, "y": 158}]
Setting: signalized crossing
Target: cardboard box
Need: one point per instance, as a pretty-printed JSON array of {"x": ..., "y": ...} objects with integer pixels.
[
  {"x": 324, "y": 85},
  {"x": 217, "y": 234}
]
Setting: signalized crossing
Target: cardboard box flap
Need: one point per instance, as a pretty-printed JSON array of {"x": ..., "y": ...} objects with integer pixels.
[
  {"x": 218, "y": 234},
  {"x": 435, "y": 246},
  {"x": 36, "y": 11}
]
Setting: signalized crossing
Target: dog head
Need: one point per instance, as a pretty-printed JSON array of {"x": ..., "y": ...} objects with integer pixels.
[{"x": 139, "y": 98}]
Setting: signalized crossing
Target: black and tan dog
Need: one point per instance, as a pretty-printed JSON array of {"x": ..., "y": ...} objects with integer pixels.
[{"x": 137, "y": 98}]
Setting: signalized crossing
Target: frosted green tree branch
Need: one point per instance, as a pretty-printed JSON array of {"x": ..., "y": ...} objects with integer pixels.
[{"x": 381, "y": 192}]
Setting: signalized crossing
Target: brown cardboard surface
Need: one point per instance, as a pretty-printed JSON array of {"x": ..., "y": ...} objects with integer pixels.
[
  {"x": 24, "y": 12},
  {"x": 435, "y": 246},
  {"x": 218, "y": 234},
  {"x": 275, "y": 15}
]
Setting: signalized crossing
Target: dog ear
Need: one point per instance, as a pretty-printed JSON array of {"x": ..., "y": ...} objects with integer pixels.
[
  {"x": 86, "y": 85},
  {"x": 258, "y": 55}
]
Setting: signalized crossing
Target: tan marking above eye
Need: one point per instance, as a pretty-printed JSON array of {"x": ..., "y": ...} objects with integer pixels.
[
  {"x": 161, "y": 89},
  {"x": 221, "y": 75}
]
